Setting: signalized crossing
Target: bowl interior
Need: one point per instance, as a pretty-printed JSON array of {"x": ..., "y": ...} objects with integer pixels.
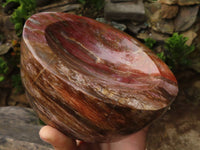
[{"x": 101, "y": 51}]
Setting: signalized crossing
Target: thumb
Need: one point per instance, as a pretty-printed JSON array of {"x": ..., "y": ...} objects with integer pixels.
[{"x": 58, "y": 140}]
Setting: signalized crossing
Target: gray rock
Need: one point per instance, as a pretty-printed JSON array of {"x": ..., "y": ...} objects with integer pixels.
[
  {"x": 191, "y": 35},
  {"x": 135, "y": 28},
  {"x": 188, "y": 2},
  {"x": 19, "y": 126},
  {"x": 125, "y": 11},
  {"x": 7, "y": 28},
  {"x": 4, "y": 48},
  {"x": 169, "y": 2},
  {"x": 116, "y": 25},
  {"x": 186, "y": 18},
  {"x": 161, "y": 25},
  {"x": 154, "y": 35},
  {"x": 168, "y": 11},
  {"x": 155, "y": 18},
  {"x": 63, "y": 6},
  {"x": 7, "y": 143},
  {"x": 180, "y": 2},
  {"x": 7, "y": 23},
  {"x": 151, "y": 8}
]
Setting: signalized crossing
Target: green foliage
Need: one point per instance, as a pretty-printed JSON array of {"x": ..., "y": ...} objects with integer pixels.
[
  {"x": 97, "y": 4},
  {"x": 1, "y": 78},
  {"x": 22, "y": 13},
  {"x": 149, "y": 42},
  {"x": 82, "y": 1},
  {"x": 17, "y": 83},
  {"x": 14, "y": 61},
  {"x": 3, "y": 69},
  {"x": 41, "y": 122},
  {"x": 162, "y": 56},
  {"x": 177, "y": 51},
  {"x": 10, "y": 67}
]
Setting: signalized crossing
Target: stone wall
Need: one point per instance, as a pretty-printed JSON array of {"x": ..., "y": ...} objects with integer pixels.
[{"x": 159, "y": 19}]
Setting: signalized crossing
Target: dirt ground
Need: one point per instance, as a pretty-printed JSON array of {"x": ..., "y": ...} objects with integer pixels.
[{"x": 179, "y": 128}]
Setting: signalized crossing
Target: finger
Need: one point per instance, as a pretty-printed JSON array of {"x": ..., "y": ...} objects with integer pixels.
[
  {"x": 136, "y": 141},
  {"x": 58, "y": 140}
]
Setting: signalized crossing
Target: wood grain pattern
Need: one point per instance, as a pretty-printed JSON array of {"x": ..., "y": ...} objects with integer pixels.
[{"x": 91, "y": 81}]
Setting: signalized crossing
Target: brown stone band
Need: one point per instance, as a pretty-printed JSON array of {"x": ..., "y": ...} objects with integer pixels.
[{"x": 90, "y": 81}]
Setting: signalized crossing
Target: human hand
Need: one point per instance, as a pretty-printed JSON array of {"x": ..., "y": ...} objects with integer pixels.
[{"x": 61, "y": 142}]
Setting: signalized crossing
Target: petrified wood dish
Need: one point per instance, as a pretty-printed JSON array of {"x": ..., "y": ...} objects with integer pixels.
[{"x": 91, "y": 81}]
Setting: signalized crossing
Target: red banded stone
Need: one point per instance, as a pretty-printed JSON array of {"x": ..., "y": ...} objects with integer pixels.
[{"x": 91, "y": 81}]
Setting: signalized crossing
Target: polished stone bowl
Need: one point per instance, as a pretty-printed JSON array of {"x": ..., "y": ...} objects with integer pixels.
[{"x": 91, "y": 81}]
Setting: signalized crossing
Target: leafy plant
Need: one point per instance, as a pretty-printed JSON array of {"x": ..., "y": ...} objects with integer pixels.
[
  {"x": 3, "y": 69},
  {"x": 149, "y": 42},
  {"x": 41, "y": 122},
  {"x": 82, "y": 1},
  {"x": 25, "y": 9},
  {"x": 11, "y": 62},
  {"x": 177, "y": 51},
  {"x": 17, "y": 83},
  {"x": 162, "y": 56},
  {"x": 14, "y": 61}
]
